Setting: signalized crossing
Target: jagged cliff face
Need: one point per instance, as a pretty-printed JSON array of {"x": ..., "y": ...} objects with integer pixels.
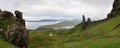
[
  {"x": 116, "y": 9},
  {"x": 13, "y": 28}
]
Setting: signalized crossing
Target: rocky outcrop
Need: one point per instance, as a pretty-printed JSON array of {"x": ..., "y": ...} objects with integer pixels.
[
  {"x": 13, "y": 28},
  {"x": 116, "y": 10},
  {"x": 86, "y": 24},
  {"x": 19, "y": 18},
  {"x": 5, "y": 15},
  {"x": 89, "y": 23}
]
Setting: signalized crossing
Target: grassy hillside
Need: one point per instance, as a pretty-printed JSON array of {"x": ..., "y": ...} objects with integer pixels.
[
  {"x": 102, "y": 35},
  {"x": 42, "y": 38}
]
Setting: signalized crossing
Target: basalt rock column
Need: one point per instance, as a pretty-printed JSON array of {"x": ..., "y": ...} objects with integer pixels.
[{"x": 83, "y": 23}]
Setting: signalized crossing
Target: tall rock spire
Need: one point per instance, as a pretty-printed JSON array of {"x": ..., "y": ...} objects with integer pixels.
[
  {"x": 83, "y": 23},
  {"x": 83, "y": 20}
]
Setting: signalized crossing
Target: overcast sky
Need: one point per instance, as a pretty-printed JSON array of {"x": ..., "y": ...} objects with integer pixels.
[{"x": 59, "y": 9}]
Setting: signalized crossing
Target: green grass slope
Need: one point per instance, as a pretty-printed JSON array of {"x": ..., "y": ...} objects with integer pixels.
[
  {"x": 102, "y": 35},
  {"x": 41, "y": 39}
]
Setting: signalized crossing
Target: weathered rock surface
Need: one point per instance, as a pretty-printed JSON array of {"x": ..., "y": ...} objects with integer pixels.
[
  {"x": 4, "y": 15},
  {"x": 89, "y": 23},
  {"x": 14, "y": 28},
  {"x": 86, "y": 24},
  {"x": 116, "y": 9}
]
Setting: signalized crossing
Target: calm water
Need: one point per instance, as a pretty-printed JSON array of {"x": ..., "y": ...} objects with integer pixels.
[{"x": 35, "y": 25}]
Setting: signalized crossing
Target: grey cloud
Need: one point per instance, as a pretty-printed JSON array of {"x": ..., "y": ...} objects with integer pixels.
[
  {"x": 52, "y": 14},
  {"x": 59, "y": 8},
  {"x": 98, "y": 2}
]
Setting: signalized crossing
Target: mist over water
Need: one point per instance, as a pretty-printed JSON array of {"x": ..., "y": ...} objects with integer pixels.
[{"x": 35, "y": 25}]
